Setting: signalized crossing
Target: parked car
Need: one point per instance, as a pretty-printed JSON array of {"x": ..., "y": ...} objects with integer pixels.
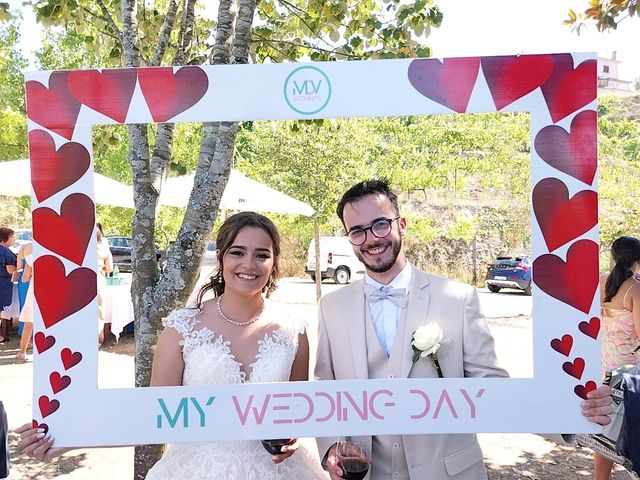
[
  {"x": 120, "y": 248},
  {"x": 510, "y": 272},
  {"x": 210, "y": 255},
  {"x": 337, "y": 260},
  {"x": 23, "y": 235}
]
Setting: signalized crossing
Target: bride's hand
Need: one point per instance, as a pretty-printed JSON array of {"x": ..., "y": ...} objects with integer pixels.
[
  {"x": 36, "y": 444},
  {"x": 287, "y": 450}
]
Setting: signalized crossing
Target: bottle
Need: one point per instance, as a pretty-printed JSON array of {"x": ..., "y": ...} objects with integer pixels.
[{"x": 116, "y": 272}]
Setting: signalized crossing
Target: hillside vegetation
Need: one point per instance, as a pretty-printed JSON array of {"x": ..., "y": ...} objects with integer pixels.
[{"x": 463, "y": 180}]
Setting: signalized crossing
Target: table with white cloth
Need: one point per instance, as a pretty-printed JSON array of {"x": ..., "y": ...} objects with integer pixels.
[{"x": 118, "y": 308}]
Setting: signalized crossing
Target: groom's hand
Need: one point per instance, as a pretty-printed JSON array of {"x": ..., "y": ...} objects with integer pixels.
[
  {"x": 335, "y": 472},
  {"x": 598, "y": 406}
]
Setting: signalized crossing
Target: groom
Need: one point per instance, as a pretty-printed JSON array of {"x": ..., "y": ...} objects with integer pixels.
[{"x": 365, "y": 332}]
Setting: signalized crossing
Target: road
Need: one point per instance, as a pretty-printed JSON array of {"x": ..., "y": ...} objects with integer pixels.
[{"x": 494, "y": 305}]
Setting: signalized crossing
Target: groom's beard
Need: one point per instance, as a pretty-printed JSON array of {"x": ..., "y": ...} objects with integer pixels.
[{"x": 384, "y": 264}]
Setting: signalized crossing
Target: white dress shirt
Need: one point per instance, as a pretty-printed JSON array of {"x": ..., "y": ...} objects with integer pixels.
[{"x": 385, "y": 314}]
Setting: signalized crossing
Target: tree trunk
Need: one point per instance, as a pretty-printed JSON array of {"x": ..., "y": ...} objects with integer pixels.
[
  {"x": 155, "y": 295},
  {"x": 144, "y": 275},
  {"x": 165, "y": 33},
  {"x": 474, "y": 260},
  {"x": 316, "y": 252}
]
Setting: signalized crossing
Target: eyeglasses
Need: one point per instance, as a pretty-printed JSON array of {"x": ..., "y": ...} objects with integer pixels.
[{"x": 380, "y": 229}]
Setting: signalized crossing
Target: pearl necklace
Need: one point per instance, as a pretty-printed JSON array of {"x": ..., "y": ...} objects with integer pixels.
[{"x": 233, "y": 322}]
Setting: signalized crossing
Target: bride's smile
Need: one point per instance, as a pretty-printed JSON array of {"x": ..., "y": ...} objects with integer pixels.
[{"x": 247, "y": 264}]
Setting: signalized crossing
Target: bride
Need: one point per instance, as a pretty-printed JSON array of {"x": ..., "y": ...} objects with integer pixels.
[{"x": 235, "y": 337}]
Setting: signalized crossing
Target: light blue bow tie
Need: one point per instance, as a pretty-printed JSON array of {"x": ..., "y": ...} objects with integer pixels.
[{"x": 397, "y": 296}]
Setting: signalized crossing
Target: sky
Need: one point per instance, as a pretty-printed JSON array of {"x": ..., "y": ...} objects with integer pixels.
[
  {"x": 503, "y": 27},
  {"x": 494, "y": 27}
]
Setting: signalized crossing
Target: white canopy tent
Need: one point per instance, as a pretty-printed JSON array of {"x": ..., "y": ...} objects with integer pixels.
[
  {"x": 15, "y": 181},
  {"x": 241, "y": 193}
]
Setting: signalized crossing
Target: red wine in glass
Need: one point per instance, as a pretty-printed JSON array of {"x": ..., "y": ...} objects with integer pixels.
[
  {"x": 274, "y": 446},
  {"x": 353, "y": 468}
]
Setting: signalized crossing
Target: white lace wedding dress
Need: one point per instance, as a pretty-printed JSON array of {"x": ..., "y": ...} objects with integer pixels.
[{"x": 208, "y": 361}]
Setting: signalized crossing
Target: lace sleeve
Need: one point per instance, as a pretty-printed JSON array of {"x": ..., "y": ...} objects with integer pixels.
[
  {"x": 297, "y": 325},
  {"x": 294, "y": 326},
  {"x": 182, "y": 320},
  {"x": 291, "y": 321}
]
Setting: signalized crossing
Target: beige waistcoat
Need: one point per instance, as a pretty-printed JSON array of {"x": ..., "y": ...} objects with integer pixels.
[{"x": 387, "y": 451}]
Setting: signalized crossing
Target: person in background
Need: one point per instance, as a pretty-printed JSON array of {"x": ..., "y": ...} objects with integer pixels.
[
  {"x": 23, "y": 287},
  {"x": 620, "y": 312},
  {"x": 26, "y": 314},
  {"x": 105, "y": 266},
  {"x": 7, "y": 268}
]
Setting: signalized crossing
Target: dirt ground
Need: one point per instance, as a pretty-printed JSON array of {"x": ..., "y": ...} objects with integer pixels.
[{"x": 508, "y": 456}]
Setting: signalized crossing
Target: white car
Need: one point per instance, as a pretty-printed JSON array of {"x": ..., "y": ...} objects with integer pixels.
[
  {"x": 337, "y": 260},
  {"x": 23, "y": 236},
  {"x": 210, "y": 255}
]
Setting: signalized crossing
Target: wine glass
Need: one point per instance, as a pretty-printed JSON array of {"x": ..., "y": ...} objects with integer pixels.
[
  {"x": 274, "y": 447},
  {"x": 353, "y": 458}
]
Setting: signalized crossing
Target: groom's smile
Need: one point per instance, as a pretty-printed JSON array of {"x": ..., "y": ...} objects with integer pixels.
[{"x": 379, "y": 254}]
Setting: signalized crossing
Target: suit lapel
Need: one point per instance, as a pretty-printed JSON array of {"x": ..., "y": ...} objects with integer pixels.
[
  {"x": 417, "y": 309},
  {"x": 357, "y": 338}
]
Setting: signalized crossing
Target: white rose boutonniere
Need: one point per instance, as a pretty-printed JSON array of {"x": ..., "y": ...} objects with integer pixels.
[{"x": 425, "y": 342}]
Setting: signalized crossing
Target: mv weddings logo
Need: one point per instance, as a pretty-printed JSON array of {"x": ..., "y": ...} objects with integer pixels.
[{"x": 307, "y": 90}]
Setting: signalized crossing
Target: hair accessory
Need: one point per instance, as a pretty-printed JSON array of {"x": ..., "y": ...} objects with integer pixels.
[{"x": 233, "y": 322}]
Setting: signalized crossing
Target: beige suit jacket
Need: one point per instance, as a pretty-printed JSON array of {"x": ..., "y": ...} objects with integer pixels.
[{"x": 342, "y": 354}]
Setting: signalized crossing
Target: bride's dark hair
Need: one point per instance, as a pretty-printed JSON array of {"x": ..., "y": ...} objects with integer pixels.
[{"x": 225, "y": 238}]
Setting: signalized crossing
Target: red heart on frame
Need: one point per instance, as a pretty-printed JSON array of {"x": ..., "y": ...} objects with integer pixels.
[
  {"x": 574, "y": 369},
  {"x": 44, "y": 426},
  {"x": 573, "y": 153},
  {"x": 563, "y": 346},
  {"x": 512, "y": 77},
  {"x": 67, "y": 234},
  {"x": 69, "y": 358},
  {"x": 569, "y": 89},
  {"x": 573, "y": 282},
  {"x": 51, "y": 170},
  {"x": 448, "y": 83},
  {"x": 54, "y": 107},
  {"x": 590, "y": 328},
  {"x": 582, "y": 390},
  {"x": 561, "y": 218},
  {"x": 59, "y": 382},
  {"x": 43, "y": 342},
  {"x": 47, "y": 407},
  {"x": 168, "y": 94},
  {"x": 60, "y": 295},
  {"x": 108, "y": 92}
]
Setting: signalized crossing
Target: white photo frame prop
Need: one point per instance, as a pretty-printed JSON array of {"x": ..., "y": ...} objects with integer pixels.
[{"x": 557, "y": 90}]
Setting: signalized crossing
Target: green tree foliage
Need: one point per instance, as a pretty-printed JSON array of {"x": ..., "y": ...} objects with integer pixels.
[
  {"x": 13, "y": 124},
  {"x": 438, "y": 152},
  {"x": 463, "y": 165},
  {"x": 312, "y": 161},
  {"x": 619, "y": 153},
  {"x": 605, "y": 14},
  {"x": 5, "y": 14},
  {"x": 352, "y": 29}
]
